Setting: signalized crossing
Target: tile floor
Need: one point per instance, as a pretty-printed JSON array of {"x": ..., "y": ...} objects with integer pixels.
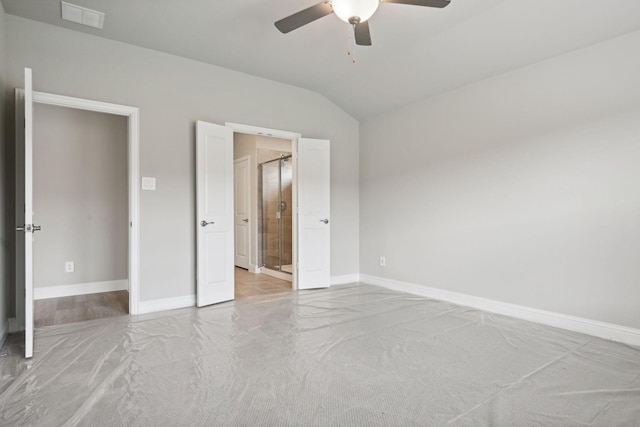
[{"x": 251, "y": 284}]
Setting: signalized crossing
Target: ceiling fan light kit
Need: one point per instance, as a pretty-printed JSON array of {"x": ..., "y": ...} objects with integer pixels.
[{"x": 354, "y": 12}]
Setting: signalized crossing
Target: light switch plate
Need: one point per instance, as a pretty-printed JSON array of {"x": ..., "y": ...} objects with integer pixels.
[{"x": 148, "y": 183}]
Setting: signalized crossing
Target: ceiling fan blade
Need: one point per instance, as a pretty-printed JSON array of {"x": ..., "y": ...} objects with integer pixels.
[
  {"x": 363, "y": 36},
  {"x": 304, "y": 17},
  {"x": 428, "y": 3}
]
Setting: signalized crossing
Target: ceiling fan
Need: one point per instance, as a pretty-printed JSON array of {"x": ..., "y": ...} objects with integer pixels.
[{"x": 354, "y": 12}]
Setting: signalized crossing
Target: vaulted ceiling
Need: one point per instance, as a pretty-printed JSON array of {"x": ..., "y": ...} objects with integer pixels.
[{"x": 417, "y": 51}]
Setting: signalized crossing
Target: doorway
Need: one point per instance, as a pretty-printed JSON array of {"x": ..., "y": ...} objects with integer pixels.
[
  {"x": 80, "y": 200},
  {"x": 215, "y": 210},
  {"x": 263, "y": 214},
  {"x": 24, "y": 100}
]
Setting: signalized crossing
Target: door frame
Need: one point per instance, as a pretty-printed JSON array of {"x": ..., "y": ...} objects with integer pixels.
[
  {"x": 133, "y": 143},
  {"x": 293, "y": 137}
]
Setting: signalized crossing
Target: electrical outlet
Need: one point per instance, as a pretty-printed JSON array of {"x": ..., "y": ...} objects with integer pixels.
[
  {"x": 69, "y": 267},
  {"x": 383, "y": 261}
]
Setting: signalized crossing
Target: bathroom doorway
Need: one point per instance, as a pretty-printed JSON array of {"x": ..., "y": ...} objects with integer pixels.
[
  {"x": 311, "y": 228},
  {"x": 264, "y": 182}
]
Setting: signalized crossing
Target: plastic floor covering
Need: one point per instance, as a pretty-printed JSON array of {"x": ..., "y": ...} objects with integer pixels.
[{"x": 352, "y": 355}]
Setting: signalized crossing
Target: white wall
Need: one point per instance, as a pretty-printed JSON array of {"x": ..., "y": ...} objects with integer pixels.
[
  {"x": 5, "y": 192},
  {"x": 80, "y": 193},
  {"x": 522, "y": 188},
  {"x": 273, "y": 143},
  {"x": 172, "y": 93}
]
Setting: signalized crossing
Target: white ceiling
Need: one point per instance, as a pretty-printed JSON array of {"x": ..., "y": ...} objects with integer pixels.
[{"x": 417, "y": 51}]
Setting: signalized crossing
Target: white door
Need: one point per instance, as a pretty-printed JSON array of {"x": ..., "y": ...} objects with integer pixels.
[
  {"x": 214, "y": 209},
  {"x": 314, "y": 229},
  {"x": 28, "y": 228},
  {"x": 242, "y": 209}
]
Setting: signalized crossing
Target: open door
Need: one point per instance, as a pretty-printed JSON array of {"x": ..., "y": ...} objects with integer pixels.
[
  {"x": 314, "y": 230},
  {"x": 242, "y": 211},
  {"x": 27, "y": 227},
  {"x": 214, "y": 210}
]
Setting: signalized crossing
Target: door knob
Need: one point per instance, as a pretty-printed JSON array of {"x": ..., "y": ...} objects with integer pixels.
[
  {"x": 205, "y": 223},
  {"x": 326, "y": 221},
  {"x": 29, "y": 228},
  {"x": 246, "y": 220}
]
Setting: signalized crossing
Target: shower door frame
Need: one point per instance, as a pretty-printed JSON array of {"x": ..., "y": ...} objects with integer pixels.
[
  {"x": 261, "y": 214},
  {"x": 293, "y": 137}
]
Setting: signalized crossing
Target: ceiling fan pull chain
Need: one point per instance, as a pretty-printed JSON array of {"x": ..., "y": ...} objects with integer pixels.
[
  {"x": 353, "y": 58},
  {"x": 351, "y": 49}
]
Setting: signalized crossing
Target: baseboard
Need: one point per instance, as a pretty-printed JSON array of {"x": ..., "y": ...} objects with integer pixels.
[
  {"x": 79, "y": 289},
  {"x": 345, "y": 279},
  {"x": 166, "y": 304},
  {"x": 596, "y": 328},
  {"x": 277, "y": 274},
  {"x": 4, "y": 332}
]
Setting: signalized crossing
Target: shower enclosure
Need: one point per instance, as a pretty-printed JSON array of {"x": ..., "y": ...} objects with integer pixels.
[{"x": 276, "y": 225}]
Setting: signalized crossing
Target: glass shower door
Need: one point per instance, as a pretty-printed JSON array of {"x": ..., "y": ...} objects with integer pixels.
[
  {"x": 271, "y": 215},
  {"x": 286, "y": 215},
  {"x": 276, "y": 233}
]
